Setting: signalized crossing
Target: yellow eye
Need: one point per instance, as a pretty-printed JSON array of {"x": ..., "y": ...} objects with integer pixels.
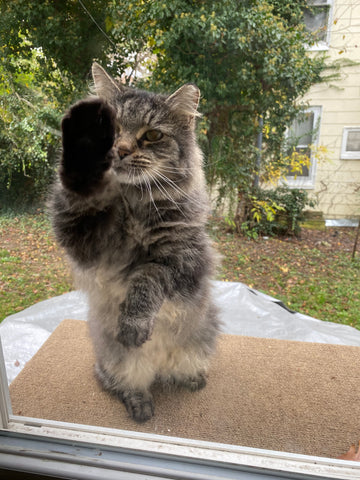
[{"x": 153, "y": 135}]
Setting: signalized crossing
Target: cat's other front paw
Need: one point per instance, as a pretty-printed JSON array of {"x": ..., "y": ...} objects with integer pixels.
[
  {"x": 133, "y": 332},
  {"x": 139, "y": 405}
]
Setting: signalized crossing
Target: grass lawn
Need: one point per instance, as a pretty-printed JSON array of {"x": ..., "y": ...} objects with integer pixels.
[
  {"x": 32, "y": 266},
  {"x": 313, "y": 275}
]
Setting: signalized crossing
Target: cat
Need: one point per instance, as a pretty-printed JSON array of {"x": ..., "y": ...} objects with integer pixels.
[{"x": 130, "y": 208}]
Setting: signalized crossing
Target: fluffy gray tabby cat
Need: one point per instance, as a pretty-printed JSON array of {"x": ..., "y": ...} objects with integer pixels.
[{"x": 130, "y": 208}]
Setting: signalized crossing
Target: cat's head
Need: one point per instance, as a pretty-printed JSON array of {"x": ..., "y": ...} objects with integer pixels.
[{"x": 155, "y": 142}]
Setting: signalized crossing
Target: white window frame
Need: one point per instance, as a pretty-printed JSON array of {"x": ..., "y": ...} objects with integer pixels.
[
  {"x": 308, "y": 182},
  {"x": 324, "y": 45},
  {"x": 63, "y": 449},
  {"x": 346, "y": 154}
]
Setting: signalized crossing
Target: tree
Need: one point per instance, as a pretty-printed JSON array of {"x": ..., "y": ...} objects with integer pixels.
[
  {"x": 46, "y": 52},
  {"x": 248, "y": 58},
  {"x": 69, "y": 36},
  {"x": 29, "y": 132}
]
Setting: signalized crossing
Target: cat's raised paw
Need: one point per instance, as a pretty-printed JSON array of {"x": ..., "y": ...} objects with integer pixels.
[
  {"x": 88, "y": 136},
  {"x": 89, "y": 125}
]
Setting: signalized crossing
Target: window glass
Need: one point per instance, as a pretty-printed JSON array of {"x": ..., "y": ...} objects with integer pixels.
[
  {"x": 301, "y": 134},
  {"x": 350, "y": 147},
  {"x": 316, "y": 19},
  {"x": 305, "y": 172},
  {"x": 353, "y": 141},
  {"x": 302, "y": 129},
  {"x": 302, "y": 137}
]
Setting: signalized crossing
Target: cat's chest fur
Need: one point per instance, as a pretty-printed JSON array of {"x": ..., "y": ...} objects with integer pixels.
[
  {"x": 136, "y": 232},
  {"x": 141, "y": 223},
  {"x": 132, "y": 225},
  {"x": 124, "y": 247}
]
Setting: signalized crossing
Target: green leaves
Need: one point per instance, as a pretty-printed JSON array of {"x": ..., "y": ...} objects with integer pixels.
[
  {"x": 277, "y": 211},
  {"x": 66, "y": 31},
  {"x": 29, "y": 134},
  {"x": 248, "y": 59}
]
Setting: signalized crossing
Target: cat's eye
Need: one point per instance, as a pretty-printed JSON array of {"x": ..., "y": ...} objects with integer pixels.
[{"x": 153, "y": 135}]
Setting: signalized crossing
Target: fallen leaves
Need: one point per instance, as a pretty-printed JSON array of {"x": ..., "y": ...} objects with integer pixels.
[
  {"x": 31, "y": 266},
  {"x": 352, "y": 454},
  {"x": 313, "y": 273}
]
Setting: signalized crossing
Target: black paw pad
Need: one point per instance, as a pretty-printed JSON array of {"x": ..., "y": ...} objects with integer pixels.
[{"x": 89, "y": 124}]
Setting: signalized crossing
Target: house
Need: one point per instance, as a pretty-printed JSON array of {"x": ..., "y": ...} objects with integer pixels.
[{"x": 334, "y": 112}]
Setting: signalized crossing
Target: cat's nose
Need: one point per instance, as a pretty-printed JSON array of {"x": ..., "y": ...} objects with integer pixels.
[
  {"x": 123, "y": 152},
  {"x": 124, "y": 148}
]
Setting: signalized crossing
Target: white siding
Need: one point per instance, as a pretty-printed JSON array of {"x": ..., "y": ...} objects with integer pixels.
[{"x": 337, "y": 183}]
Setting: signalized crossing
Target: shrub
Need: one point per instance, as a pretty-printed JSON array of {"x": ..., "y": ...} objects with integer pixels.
[
  {"x": 29, "y": 132},
  {"x": 276, "y": 212},
  {"x": 27, "y": 154}
]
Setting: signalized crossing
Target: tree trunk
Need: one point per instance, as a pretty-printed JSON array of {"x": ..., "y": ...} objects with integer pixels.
[
  {"x": 241, "y": 214},
  {"x": 356, "y": 241}
]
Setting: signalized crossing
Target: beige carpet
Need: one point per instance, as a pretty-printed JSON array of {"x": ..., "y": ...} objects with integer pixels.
[{"x": 272, "y": 394}]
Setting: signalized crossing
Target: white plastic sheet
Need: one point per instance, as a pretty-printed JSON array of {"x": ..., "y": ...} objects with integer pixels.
[{"x": 243, "y": 312}]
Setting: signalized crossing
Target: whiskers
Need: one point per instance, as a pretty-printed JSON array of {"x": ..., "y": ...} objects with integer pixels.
[
  {"x": 170, "y": 190},
  {"x": 149, "y": 190},
  {"x": 159, "y": 183},
  {"x": 180, "y": 193},
  {"x": 166, "y": 194}
]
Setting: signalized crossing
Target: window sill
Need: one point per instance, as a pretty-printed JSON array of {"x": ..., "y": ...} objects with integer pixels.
[
  {"x": 78, "y": 451},
  {"x": 350, "y": 156},
  {"x": 318, "y": 47},
  {"x": 302, "y": 184}
]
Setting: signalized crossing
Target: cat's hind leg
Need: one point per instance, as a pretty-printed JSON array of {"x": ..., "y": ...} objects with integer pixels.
[
  {"x": 132, "y": 390},
  {"x": 186, "y": 369},
  {"x": 192, "y": 383},
  {"x": 186, "y": 362}
]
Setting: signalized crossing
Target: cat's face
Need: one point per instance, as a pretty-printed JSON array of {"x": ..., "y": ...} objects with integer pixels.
[
  {"x": 147, "y": 145},
  {"x": 154, "y": 134}
]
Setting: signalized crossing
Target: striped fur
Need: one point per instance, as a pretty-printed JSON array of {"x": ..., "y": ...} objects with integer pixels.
[{"x": 130, "y": 208}]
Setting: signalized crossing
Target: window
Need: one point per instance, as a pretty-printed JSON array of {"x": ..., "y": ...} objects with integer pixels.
[
  {"x": 350, "y": 147},
  {"x": 303, "y": 136},
  {"x": 58, "y": 449},
  {"x": 317, "y": 19}
]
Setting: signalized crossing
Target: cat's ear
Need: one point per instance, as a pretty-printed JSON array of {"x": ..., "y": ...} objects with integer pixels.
[
  {"x": 105, "y": 85},
  {"x": 185, "y": 101}
]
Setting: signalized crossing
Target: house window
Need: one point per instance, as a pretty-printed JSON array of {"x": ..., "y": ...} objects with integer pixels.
[
  {"x": 303, "y": 137},
  {"x": 39, "y": 448},
  {"x": 317, "y": 18},
  {"x": 350, "y": 148}
]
